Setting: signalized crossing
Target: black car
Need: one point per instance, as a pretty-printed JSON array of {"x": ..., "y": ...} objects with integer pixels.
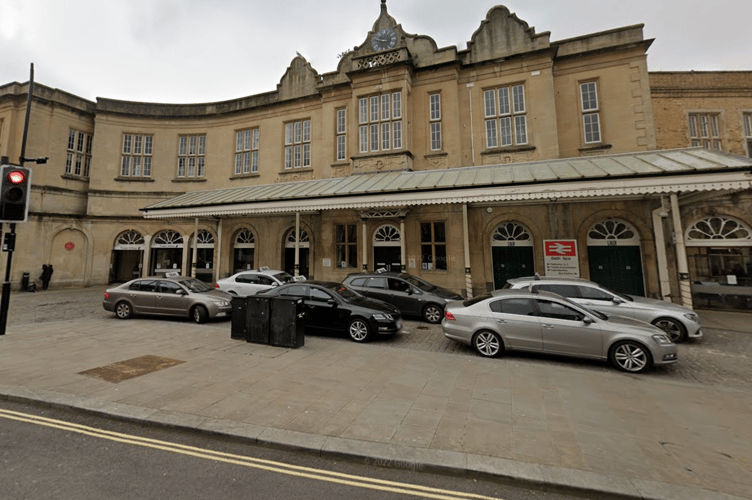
[
  {"x": 410, "y": 294},
  {"x": 334, "y": 306}
]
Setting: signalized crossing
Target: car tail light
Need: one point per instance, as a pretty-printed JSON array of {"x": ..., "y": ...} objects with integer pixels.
[
  {"x": 449, "y": 316},
  {"x": 106, "y": 295},
  {"x": 216, "y": 285}
]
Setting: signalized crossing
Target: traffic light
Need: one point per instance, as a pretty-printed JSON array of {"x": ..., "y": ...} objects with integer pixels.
[{"x": 15, "y": 187}]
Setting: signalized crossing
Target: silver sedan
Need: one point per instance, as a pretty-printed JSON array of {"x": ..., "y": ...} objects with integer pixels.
[
  {"x": 179, "y": 296},
  {"x": 508, "y": 320}
]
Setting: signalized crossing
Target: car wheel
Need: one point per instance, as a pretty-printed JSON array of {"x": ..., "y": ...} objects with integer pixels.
[
  {"x": 123, "y": 310},
  {"x": 359, "y": 330},
  {"x": 488, "y": 344},
  {"x": 630, "y": 357},
  {"x": 673, "y": 328},
  {"x": 199, "y": 314},
  {"x": 433, "y": 313}
]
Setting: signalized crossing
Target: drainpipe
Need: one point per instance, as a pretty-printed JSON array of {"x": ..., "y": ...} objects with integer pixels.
[
  {"x": 402, "y": 245},
  {"x": 363, "y": 221},
  {"x": 660, "y": 251},
  {"x": 297, "y": 243},
  {"x": 466, "y": 236},
  {"x": 195, "y": 248},
  {"x": 681, "y": 254},
  {"x": 218, "y": 256}
]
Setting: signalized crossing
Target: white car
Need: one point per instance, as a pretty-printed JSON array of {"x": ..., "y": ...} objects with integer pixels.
[{"x": 247, "y": 283}]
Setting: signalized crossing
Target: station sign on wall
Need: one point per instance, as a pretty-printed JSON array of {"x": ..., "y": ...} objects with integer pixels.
[{"x": 560, "y": 258}]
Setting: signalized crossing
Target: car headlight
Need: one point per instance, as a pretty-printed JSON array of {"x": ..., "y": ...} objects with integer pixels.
[
  {"x": 383, "y": 317},
  {"x": 662, "y": 339},
  {"x": 221, "y": 303},
  {"x": 692, "y": 317}
]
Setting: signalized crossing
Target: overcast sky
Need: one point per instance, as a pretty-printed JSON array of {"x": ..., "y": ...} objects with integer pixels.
[{"x": 193, "y": 51}]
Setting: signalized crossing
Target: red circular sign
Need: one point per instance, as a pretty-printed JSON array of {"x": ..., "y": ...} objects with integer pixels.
[{"x": 70, "y": 245}]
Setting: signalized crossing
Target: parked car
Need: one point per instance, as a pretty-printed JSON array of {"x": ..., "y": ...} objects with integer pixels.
[
  {"x": 247, "y": 283},
  {"x": 162, "y": 296},
  {"x": 677, "y": 321},
  {"x": 410, "y": 294},
  {"x": 334, "y": 306},
  {"x": 509, "y": 320}
]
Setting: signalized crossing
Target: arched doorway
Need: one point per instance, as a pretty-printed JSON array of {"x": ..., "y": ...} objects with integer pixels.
[
  {"x": 387, "y": 242},
  {"x": 719, "y": 252},
  {"x": 303, "y": 247},
  {"x": 167, "y": 253},
  {"x": 127, "y": 256},
  {"x": 243, "y": 251},
  {"x": 615, "y": 256},
  {"x": 204, "y": 255},
  {"x": 512, "y": 252}
]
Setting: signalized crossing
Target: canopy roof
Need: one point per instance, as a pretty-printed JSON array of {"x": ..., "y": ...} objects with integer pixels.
[{"x": 621, "y": 175}]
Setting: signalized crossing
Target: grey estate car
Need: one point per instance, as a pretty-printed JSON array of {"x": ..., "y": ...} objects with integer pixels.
[
  {"x": 677, "y": 321},
  {"x": 179, "y": 296},
  {"x": 410, "y": 294},
  {"x": 508, "y": 320}
]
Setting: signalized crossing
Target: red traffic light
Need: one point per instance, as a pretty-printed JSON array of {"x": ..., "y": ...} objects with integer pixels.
[{"x": 16, "y": 176}]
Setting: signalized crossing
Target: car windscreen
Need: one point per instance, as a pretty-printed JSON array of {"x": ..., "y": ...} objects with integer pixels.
[
  {"x": 423, "y": 285},
  {"x": 195, "y": 286},
  {"x": 284, "y": 277}
]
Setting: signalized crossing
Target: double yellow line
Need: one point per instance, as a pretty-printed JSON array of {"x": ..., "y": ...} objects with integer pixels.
[{"x": 244, "y": 461}]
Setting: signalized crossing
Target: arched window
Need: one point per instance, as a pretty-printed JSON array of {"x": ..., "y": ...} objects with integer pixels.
[
  {"x": 130, "y": 240},
  {"x": 387, "y": 234},
  {"x": 719, "y": 231},
  {"x": 511, "y": 234},
  {"x": 612, "y": 232},
  {"x": 169, "y": 238}
]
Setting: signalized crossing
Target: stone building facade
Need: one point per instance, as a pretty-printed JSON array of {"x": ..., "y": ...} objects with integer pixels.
[{"x": 136, "y": 188}]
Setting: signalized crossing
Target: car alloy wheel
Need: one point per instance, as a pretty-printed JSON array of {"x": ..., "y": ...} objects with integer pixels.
[
  {"x": 358, "y": 330},
  {"x": 630, "y": 357},
  {"x": 433, "y": 313},
  {"x": 488, "y": 344},
  {"x": 123, "y": 310},
  {"x": 675, "y": 330},
  {"x": 199, "y": 314}
]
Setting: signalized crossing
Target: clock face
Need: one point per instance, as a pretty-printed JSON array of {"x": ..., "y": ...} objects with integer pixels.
[{"x": 384, "y": 39}]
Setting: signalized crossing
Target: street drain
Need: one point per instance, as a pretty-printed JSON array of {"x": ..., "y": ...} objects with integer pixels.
[{"x": 131, "y": 368}]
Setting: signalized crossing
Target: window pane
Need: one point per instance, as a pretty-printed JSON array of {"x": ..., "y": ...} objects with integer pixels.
[
  {"x": 592, "y": 128},
  {"x": 441, "y": 258},
  {"x": 397, "y": 105},
  {"x": 425, "y": 232},
  {"x": 504, "y": 101},
  {"x": 589, "y": 97},
  {"x": 191, "y": 167},
  {"x": 202, "y": 144},
  {"x": 136, "y": 165},
  {"x": 397, "y": 135},
  {"x": 256, "y": 135},
  {"x": 489, "y": 97},
  {"x": 126, "y": 144},
  {"x": 137, "y": 144},
  {"x": 385, "y": 135},
  {"x": 374, "y": 137},
  {"x": 288, "y": 157},
  {"x": 298, "y": 134},
  {"x": 147, "y": 166},
  {"x": 192, "y": 145},
  {"x": 505, "y": 127},
  {"x": 435, "y": 107},
  {"x": 375, "y": 108},
  {"x": 341, "y": 147},
  {"x": 491, "y": 137},
  {"x": 254, "y": 161},
  {"x": 288, "y": 133},
  {"x": 363, "y": 138},
  {"x": 247, "y": 162},
  {"x": 147, "y": 144},
  {"x": 518, "y": 95},
  {"x": 125, "y": 168},
  {"x": 181, "y": 167},
  {"x": 520, "y": 129},
  {"x": 439, "y": 235},
  {"x": 341, "y": 121},
  {"x": 436, "y": 136},
  {"x": 71, "y": 140},
  {"x": 385, "y": 107},
  {"x": 363, "y": 111},
  {"x": 307, "y": 131}
]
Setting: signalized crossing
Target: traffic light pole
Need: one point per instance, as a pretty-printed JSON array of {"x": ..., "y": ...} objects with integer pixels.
[{"x": 5, "y": 299}]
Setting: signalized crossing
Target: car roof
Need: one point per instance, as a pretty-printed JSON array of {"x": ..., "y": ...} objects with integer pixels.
[
  {"x": 550, "y": 279},
  {"x": 269, "y": 272},
  {"x": 523, "y": 293},
  {"x": 376, "y": 275}
]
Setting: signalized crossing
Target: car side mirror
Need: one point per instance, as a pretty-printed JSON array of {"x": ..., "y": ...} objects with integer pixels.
[
  {"x": 410, "y": 291},
  {"x": 274, "y": 284},
  {"x": 332, "y": 302},
  {"x": 181, "y": 292},
  {"x": 617, "y": 300},
  {"x": 588, "y": 320}
]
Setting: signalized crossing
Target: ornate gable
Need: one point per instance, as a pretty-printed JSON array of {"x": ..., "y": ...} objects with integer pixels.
[
  {"x": 299, "y": 80},
  {"x": 502, "y": 34}
]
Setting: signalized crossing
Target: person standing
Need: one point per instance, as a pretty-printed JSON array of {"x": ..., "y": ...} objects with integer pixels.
[{"x": 46, "y": 275}]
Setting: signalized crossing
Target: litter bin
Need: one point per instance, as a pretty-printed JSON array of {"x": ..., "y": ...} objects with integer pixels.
[
  {"x": 239, "y": 321},
  {"x": 286, "y": 322},
  {"x": 25, "y": 282},
  {"x": 257, "y": 330}
]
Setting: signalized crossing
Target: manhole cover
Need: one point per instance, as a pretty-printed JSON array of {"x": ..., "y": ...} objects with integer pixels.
[{"x": 131, "y": 368}]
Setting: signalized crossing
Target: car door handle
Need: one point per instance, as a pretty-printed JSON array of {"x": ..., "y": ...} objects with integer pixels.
[
  {"x": 547, "y": 326},
  {"x": 501, "y": 321}
]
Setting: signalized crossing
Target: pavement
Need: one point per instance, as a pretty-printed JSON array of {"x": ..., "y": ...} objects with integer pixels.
[{"x": 529, "y": 420}]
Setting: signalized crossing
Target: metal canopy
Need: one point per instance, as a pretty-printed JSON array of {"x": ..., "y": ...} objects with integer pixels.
[{"x": 621, "y": 175}]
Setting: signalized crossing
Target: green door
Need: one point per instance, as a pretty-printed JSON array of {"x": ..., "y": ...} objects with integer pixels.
[
  {"x": 389, "y": 258},
  {"x": 511, "y": 262},
  {"x": 618, "y": 268}
]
